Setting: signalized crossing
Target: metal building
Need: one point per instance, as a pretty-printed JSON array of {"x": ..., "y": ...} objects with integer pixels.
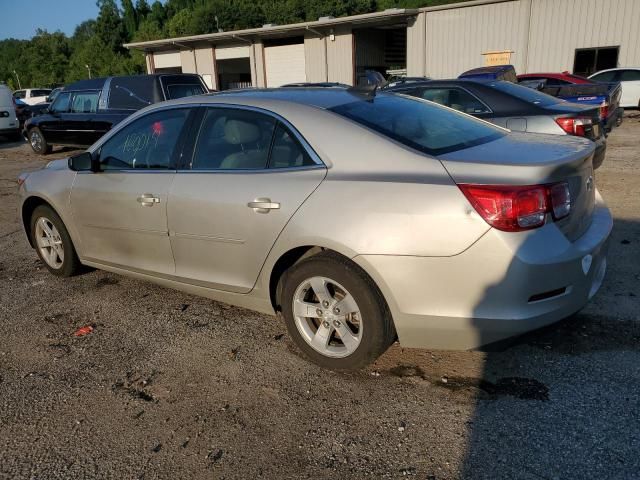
[{"x": 581, "y": 36}]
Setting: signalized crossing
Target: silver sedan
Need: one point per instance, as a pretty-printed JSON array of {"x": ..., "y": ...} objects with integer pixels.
[{"x": 360, "y": 218}]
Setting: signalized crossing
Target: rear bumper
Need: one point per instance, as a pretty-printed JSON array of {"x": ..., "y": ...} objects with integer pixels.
[{"x": 504, "y": 285}]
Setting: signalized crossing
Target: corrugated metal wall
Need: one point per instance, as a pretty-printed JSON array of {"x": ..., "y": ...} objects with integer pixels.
[
  {"x": 340, "y": 61},
  {"x": 315, "y": 58},
  {"x": 558, "y": 27},
  {"x": 543, "y": 34},
  {"x": 456, "y": 38}
]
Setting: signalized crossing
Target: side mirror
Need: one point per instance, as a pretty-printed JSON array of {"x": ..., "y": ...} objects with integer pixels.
[{"x": 83, "y": 162}]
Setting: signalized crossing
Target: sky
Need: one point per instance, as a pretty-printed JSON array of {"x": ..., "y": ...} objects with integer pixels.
[{"x": 21, "y": 18}]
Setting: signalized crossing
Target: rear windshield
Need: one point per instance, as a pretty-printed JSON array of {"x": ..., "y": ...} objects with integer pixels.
[
  {"x": 185, "y": 90},
  {"x": 524, "y": 93},
  {"x": 419, "y": 124}
]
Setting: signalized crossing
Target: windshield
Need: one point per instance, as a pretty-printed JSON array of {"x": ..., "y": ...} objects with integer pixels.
[
  {"x": 525, "y": 93},
  {"x": 419, "y": 124}
]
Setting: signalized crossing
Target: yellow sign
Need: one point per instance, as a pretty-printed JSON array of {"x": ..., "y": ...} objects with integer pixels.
[{"x": 500, "y": 57}]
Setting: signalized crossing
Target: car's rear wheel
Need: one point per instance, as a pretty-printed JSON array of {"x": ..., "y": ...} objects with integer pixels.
[
  {"x": 38, "y": 142},
  {"x": 53, "y": 243},
  {"x": 335, "y": 313}
]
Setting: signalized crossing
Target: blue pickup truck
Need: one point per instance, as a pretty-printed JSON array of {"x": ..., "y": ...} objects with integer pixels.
[{"x": 565, "y": 86}]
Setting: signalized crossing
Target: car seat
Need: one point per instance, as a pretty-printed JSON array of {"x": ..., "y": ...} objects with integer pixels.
[{"x": 243, "y": 133}]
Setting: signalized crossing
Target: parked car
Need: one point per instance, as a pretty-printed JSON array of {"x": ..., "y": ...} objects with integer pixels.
[
  {"x": 359, "y": 216},
  {"x": 577, "y": 89},
  {"x": 514, "y": 107},
  {"x": 31, "y": 96},
  {"x": 86, "y": 110},
  {"x": 496, "y": 72},
  {"x": 629, "y": 78},
  {"x": 26, "y": 111},
  {"x": 8, "y": 117}
]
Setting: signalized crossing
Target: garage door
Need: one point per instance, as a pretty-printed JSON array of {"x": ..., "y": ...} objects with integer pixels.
[{"x": 284, "y": 64}]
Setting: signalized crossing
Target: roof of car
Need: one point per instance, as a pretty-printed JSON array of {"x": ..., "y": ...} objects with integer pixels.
[
  {"x": 321, "y": 97},
  {"x": 569, "y": 77}
]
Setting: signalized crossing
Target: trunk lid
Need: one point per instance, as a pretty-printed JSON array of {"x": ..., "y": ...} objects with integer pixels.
[
  {"x": 572, "y": 110},
  {"x": 533, "y": 159}
]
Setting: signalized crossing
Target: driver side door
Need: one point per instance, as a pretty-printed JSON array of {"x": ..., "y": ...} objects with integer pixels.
[{"x": 121, "y": 211}]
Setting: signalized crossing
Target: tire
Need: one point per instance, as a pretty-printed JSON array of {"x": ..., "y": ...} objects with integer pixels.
[
  {"x": 46, "y": 229},
  {"x": 370, "y": 329},
  {"x": 38, "y": 142}
]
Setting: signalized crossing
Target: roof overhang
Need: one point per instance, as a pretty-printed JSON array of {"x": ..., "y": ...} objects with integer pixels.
[{"x": 386, "y": 17}]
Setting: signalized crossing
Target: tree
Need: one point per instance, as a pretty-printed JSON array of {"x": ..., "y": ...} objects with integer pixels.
[
  {"x": 142, "y": 10},
  {"x": 109, "y": 26},
  {"x": 129, "y": 18}
]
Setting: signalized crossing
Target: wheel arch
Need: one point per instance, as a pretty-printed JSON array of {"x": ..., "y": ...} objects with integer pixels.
[
  {"x": 296, "y": 254},
  {"x": 27, "y": 209}
]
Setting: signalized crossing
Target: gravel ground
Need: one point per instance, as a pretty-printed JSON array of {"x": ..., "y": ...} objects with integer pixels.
[{"x": 173, "y": 386}]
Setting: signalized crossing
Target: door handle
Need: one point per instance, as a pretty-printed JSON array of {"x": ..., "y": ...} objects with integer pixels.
[
  {"x": 263, "y": 205},
  {"x": 148, "y": 200}
]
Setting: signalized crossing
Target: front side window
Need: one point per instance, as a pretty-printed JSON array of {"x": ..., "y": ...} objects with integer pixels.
[
  {"x": 146, "y": 143},
  {"x": 455, "y": 98},
  {"x": 630, "y": 76},
  {"x": 19, "y": 94},
  {"x": 61, "y": 103},
  {"x": 232, "y": 139},
  {"x": 605, "y": 76},
  {"x": 420, "y": 125},
  {"x": 85, "y": 102}
]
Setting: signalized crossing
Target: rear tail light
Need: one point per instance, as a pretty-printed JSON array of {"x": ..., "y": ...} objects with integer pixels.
[
  {"x": 575, "y": 126},
  {"x": 517, "y": 208},
  {"x": 604, "y": 110}
]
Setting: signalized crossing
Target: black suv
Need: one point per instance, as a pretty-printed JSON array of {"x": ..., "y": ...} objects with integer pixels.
[{"x": 86, "y": 110}]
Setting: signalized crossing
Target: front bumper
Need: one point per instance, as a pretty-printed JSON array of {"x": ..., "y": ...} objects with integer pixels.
[
  {"x": 9, "y": 131},
  {"x": 504, "y": 285}
]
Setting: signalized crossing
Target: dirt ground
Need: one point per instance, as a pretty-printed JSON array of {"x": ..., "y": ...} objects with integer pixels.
[{"x": 172, "y": 386}]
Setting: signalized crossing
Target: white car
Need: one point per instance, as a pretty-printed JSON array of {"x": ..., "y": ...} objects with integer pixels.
[
  {"x": 8, "y": 119},
  {"x": 32, "y": 96},
  {"x": 630, "y": 80}
]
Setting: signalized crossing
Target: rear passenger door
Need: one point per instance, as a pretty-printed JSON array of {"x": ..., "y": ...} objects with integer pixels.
[
  {"x": 79, "y": 122},
  {"x": 242, "y": 180},
  {"x": 630, "y": 88}
]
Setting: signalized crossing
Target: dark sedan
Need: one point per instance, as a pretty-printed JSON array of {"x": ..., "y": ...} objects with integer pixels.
[{"x": 514, "y": 107}]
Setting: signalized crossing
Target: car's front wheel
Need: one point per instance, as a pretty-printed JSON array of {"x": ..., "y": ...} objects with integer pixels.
[
  {"x": 38, "y": 142},
  {"x": 53, "y": 243},
  {"x": 335, "y": 313}
]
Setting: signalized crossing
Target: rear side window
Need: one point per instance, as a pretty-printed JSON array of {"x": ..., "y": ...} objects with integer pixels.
[
  {"x": 454, "y": 98},
  {"x": 85, "y": 102},
  {"x": 40, "y": 93},
  {"x": 186, "y": 90},
  {"x": 232, "y": 139},
  {"x": 287, "y": 152},
  {"x": 146, "y": 143},
  {"x": 426, "y": 127}
]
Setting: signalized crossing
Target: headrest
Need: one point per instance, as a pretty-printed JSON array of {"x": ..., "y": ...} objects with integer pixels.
[{"x": 237, "y": 132}]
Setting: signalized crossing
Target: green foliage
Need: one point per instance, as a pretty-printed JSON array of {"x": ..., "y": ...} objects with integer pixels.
[{"x": 50, "y": 59}]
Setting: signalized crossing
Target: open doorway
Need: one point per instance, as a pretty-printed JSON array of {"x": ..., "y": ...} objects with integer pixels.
[
  {"x": 234, "y": 73},
  {"x": 591, "y": 60},
  {"x": 383, "y": 49}
]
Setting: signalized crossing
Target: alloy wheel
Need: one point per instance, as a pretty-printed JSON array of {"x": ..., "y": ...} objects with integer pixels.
[
  {"x": 49, "y": 243},
  {"x": 327, "y": 317}
]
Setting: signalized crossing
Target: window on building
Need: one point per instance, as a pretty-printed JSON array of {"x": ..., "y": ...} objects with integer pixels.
[{"x": 591, "y": 60}]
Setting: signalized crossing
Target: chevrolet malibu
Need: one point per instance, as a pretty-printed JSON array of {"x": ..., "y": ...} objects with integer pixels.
[{"x": 360, "y": 218}]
